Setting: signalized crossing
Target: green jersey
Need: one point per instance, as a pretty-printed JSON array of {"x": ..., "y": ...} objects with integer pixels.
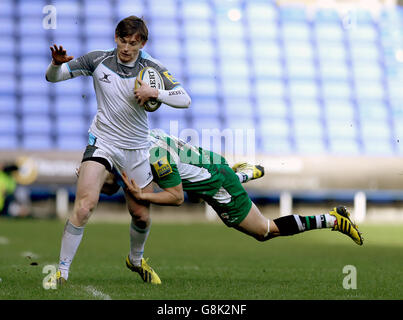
[{"x": 174, "y": 161}]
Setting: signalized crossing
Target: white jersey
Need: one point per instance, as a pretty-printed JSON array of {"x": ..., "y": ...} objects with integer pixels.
[{"x": 119, "y": 120}]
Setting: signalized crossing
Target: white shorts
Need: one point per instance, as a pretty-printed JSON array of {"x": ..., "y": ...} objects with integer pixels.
[{"x": 135, "y": 162}]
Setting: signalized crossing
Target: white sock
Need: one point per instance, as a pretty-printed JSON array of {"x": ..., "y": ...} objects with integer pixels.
[
  {"x": 243, "y": 177},
  {"x": 72, "y": 236},
  {"x": 138, "y": 238},
  {"x": 330, "y": 220}
]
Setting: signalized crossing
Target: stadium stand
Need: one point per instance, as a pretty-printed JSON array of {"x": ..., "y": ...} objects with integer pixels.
[{"x": 267, "y": 62}]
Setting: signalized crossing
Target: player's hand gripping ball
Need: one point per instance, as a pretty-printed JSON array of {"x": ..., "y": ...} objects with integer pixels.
[{"x": 153, "y": 78}]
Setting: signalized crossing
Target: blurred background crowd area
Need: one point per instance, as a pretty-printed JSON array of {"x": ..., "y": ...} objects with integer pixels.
[{"x": 318, "y": 83}]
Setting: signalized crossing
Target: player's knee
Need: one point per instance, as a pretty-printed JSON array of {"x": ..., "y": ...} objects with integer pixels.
[
  {"x": 84, "y": 209},
  {"x": 139, "y": 213}
]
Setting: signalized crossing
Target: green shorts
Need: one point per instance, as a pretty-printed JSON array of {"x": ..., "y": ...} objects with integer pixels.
[{"x": 231, "y": 202}]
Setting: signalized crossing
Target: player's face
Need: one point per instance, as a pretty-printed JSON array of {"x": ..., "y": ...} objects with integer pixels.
[{"x": 128, "y": 47}]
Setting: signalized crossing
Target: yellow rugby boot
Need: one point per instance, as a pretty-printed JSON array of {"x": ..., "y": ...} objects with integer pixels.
[
  {"x": 345, "y": 225},
  {"x": 145, "y": 271},
  {"x": 250, "y": 171}
]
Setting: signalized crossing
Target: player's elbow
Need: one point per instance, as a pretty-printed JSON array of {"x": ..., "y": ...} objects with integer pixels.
[{"x": 179, "y": 198}]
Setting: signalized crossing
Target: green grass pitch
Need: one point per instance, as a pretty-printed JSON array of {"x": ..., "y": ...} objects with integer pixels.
[{"x": 204, "y": 261}]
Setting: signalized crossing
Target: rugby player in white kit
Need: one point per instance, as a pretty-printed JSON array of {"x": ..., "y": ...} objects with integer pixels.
[{"x": 118, "y": 135}]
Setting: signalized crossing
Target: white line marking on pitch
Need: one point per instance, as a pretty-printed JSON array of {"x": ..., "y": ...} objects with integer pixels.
[{"x": 96, "y": 293}]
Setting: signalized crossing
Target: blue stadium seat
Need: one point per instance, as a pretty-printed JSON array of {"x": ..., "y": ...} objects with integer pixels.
[
  {"x": 238, "y": 107},
  {"x": 195, "y": 29},
  {"x": 8, "y": 124},
  {"x": 292, "y": 31},
  {"x": 301, "y": 69},
  {"x": 8, "y": 103},
  {"x": 370, "y": 109},
  {"x": 339, "y": 109},
  {"x": 8, "y": 65},
  {"x": 8, "y": 84},
  {"x": 260, "y": 30},
  {"x": 310, "y": 146},
  {"x": 101, "y": 9},
  {"x": 35, "y": 104},
  {"x": 7, "y": 8},
  {"x": 70, "y": 26},
  {"x": 36, "y": 124},
  {"x": 269, "y": 88},
  {"x": 71, "y": 86},
  {"x": 35, "y": 65},
  {"x": 240, "y": 123},
  {"x": 164, "y": 28},
  {"x": 8, "y": 142},
  {"x": 293, "y": 14},
  {"x": 236, "y": 87},
  {"x": 229, "y": 30},
  {"x": 166, "y": 111},
  {"x": 336, "y": 90},
  {"x": 199, "y": 67},
  {"x": 334, "y": 70},
  {"x": 341, "y": 129},
  {"x": 206, "y": 123},
  {"x": 206, "y": 87},
  {"x": 196, "y": 10},
  {"x": 99, "y": 43},
  {"x": 328, "y": 33},
  {"x": 30, "y": 8},
  {"x": 298, "y": 50},
  {"x": 7, "y": 24},
  {"x": 71, "y": 142},
  {"x": 269, "y": 49},
  {"x": 173, "y": 123},
  {"x": 126, "y": 8},
  {"x": 32, "y": 26},
  {"x": 205, "y": 107},
  {"x": 277, "y": 146},
  {"x": 368, "y": 52},
  {"x": 162, "y": 9},
  {"x": 273, "y": 107},
  {"x": 67, "y": 125},
  {"x": 197, "y": 48},
  {"x": 106, "y": 29},
  {"x": 226, "y": 68},
  {"x": 68, "y": 9},
  {"x": 305, "y": 108},
  {"x": 343, "y": 146},
  {"x": 7, "y": 45},
  {"x": 375, "y": 129},
  {"x": 331, "y": 51},
  {"x": 303, "y": 89},
  {"x": 73, "y": 45},
  {"x": 262, "y": 11},
  {"x": 369, "y": 89},
  {"x": 39, "y": 45},
  {"x": 231, "y": 49},
  {"x": 378, "y": 147},
  {"x": 327, "y": 16},
  {"x": 166, "y": 48},
  {"x": 69, "y": 105},
  {"x": 307, "y": 128},
  {"x": 37, "y": 142},
  {"x": 270, "y": 128},
  {"x": 362, "y": 33},
  {"x": 268, "y": 68}
]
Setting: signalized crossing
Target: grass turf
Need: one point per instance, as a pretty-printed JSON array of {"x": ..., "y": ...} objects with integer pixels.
[{"x": 202, "y": 262}]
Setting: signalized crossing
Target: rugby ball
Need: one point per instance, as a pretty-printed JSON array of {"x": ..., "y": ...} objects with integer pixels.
[{"x": 153, "y": 78}]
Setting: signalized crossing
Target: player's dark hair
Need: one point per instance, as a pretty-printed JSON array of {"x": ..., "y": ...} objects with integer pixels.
[{"x": 132, "y": 25}]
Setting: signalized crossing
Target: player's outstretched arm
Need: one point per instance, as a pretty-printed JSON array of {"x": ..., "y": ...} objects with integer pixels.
[
  {"x": 57, "y": 71},
  {"x": 172, "y": 196}
]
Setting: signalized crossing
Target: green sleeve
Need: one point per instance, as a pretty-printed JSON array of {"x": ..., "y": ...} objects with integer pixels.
[{"x": 165, "y": 170}]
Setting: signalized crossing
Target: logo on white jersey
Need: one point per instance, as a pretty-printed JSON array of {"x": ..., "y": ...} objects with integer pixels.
[{"x": 105, "y": 78}]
